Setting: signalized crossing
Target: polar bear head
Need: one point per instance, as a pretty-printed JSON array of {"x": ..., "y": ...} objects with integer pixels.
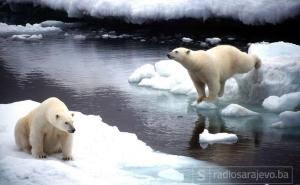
[
  {"x": 179, "y": 54},
  {"x": 64, "y": 121}
]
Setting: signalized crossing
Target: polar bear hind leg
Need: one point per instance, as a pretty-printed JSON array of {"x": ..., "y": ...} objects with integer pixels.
[{"x": 22, "y": 135}]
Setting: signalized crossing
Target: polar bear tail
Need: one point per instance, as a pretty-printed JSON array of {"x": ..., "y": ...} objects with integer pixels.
[{"x": 257, "y": 62}]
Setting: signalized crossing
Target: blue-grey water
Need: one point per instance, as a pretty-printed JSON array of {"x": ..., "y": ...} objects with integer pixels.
[{"x": 91, "y": 76}]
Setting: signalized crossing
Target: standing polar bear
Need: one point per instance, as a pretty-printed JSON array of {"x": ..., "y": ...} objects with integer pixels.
[
  {"x": 213, "y": 67},
  {"x": 46, "y": 129}
]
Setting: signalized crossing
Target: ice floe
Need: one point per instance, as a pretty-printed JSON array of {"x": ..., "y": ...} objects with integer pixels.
[
  {"x": 27, "y": 37},
  {"x": 236, "y": 110},
  {"x": 213, "y": 41},
  {"x": 206, "y": 138},
  {"x": 6, "y": 29},
  {"x": 286, "y": 102},
  {"x": 288, "y": 119}
]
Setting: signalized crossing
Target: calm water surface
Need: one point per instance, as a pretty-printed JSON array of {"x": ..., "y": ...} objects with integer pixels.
[{"x": 91, "y": 76}]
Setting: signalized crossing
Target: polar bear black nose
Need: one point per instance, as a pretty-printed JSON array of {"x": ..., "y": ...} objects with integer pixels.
[
  {"x": 168, "y": 55},
  {"x": 73, "y": 130}
]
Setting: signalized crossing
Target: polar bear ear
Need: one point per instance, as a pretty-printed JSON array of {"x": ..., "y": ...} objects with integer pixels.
[
  {"x": 188, "y": 52},
  {"x": 57, "y": 116}
]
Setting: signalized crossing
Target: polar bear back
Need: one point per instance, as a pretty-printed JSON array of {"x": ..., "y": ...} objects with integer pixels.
[{"x": 230, "y": 60}]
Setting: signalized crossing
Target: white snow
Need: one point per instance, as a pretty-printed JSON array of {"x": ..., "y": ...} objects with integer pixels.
[
  {"x": 101, "y": 154},
  {"x": 27, "y": 37},
  {"x": 186, "y": 39},
  {"x": 171, "y": 174},
  {"x": 136, "y": 11},
  {"x": 288, "y": 119},
  {"x": 206, "y": 138},
  {"x": 79, "y": 37},
  {"x": 286, "y": 102},
  {"x": 278, "y": 75},
  {"x": 213, "y": 41},
  {"x": 237, "y": 111},
  {"x": 6, "y": 29}
]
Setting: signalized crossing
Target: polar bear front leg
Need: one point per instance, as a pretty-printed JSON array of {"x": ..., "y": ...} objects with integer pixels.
[
  {"x": 67, "y": 143},
  {"x": 221, "y": 92},
  {"x": 37, "y": 143},
  {"x": 200, "y": 87},
  {"x": 214, "y": 89}
]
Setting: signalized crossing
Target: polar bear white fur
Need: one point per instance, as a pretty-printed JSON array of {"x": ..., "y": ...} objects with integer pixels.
[
  {"x": 213, "y": 67},
  {"x": 46, "y": 129}
]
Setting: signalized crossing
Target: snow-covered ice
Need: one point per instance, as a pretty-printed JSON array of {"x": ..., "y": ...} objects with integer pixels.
[
  {"x": 286, "y": 102},
  {"x": 278, "y": 75},
  {"x": 164, "y": 75},
  {"x": 27, "y": 37},
  {"x": 136, "y": 11},
  {"x": 237, "y": 111},
  {"x": 101, "y": 153},
  {"x": 288, "y": 119},
  {"x": 206, "y": 138},
  {"x": 6, "y": 29},
  {"x": 213, "y": 41},
  {"x": 186, "y": 39}
]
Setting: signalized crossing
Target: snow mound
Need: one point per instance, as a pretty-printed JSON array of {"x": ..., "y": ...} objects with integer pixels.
[
  {"x": 286, "y": 102},
  {"x": 288, "y": 119},
  {"x": 6, "y": 29},
  {"x": 237, "y": 110},
  {"x": 278, "y": 75},
  {"x": 27, "y": 37},
  {"x": 206, "y": 138},
  {"x": 101, "y": 153},
  {"x": 136, "y": 11},
  {"x": 171, "y": 174},
  {"x": 213, "y": 41}
]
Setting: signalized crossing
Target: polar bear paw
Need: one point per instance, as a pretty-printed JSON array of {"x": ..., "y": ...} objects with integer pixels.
[
  {"x": 68, "y": 158},
  {"x": 40, "y": 155}
]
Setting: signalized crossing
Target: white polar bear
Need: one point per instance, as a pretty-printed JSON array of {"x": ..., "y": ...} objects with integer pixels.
[
  {"x": 213, "y": 67},
  {"x": 46, "y": 129}
]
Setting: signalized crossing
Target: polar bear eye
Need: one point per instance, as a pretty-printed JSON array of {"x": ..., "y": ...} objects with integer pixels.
[
  {"x": 176, "y": 52},
  {"x": 66, "y": 123}
]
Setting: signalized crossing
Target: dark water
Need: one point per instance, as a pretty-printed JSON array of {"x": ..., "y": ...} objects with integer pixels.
[{"x": 91, "y": 76}]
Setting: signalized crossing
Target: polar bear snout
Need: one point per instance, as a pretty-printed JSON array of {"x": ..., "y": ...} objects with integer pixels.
[
  {"x": 170, "y": 56},
  {"x": 71, "y": 129}
]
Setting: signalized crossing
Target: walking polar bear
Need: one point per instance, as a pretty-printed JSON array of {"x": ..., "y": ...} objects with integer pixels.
[
  {"x": 213, "y": 67},
  {"x": 46, "y": 129}
]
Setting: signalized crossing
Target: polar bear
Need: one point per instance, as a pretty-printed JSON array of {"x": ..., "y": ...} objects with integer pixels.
[
  {"x": 46, "y": 129},
  {"x": 213, "y": 67}
]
